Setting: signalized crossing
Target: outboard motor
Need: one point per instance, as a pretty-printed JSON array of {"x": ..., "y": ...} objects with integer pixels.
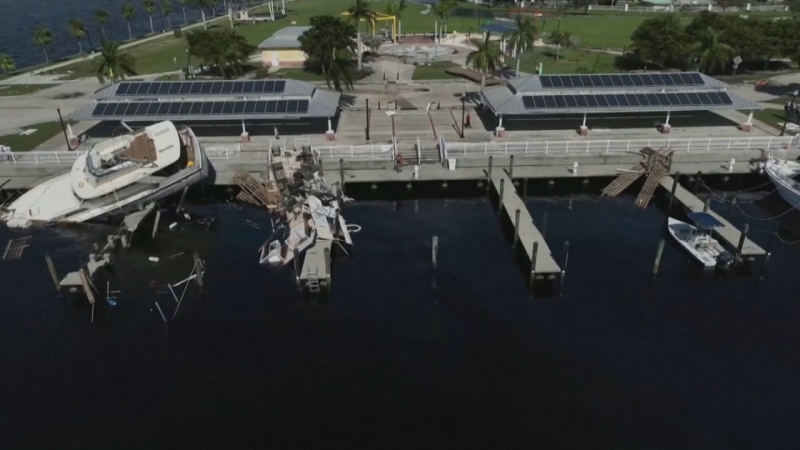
[{"x": 724, "y": 261}]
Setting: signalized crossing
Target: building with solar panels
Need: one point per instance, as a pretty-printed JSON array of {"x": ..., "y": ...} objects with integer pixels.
[
  {"x": 611, "y": 101},
  {"x": 216, "y": 108}
]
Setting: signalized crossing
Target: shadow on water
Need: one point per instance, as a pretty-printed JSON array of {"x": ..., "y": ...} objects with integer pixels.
[{"x": 692, "y": 359}]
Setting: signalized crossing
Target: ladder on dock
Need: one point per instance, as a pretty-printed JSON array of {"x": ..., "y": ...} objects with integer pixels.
[{"x": 313, "y": 280}]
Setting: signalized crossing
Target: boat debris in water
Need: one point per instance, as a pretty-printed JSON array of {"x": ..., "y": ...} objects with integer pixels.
[{"x": 115, "y": 177}]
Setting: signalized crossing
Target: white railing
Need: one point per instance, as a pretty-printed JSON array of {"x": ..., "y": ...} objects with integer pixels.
[
  {"x": 39, "y": 157},
  {"x": 223, "y": 152},
  {"x": 688, "y": 7},
  {"x": 367, "y": 152},
  {"x": 619, "y": 146}
]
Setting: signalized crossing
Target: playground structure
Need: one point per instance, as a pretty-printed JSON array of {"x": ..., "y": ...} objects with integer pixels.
[{"x": 381, "y": 17}]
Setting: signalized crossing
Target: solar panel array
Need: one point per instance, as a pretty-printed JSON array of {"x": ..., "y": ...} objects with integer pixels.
[
  {"x": 624, "y": 81},
  {"x": 232, "y": 108},
  {"x": 620, "y": 101},
  {"x": 189, "y": 88}
]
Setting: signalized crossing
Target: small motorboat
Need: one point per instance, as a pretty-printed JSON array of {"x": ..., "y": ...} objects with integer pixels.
[{"x": 697, "y": 239}]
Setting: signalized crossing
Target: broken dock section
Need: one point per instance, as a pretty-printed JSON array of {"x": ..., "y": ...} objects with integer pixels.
[
  {"x": 526, "y": 235},
  {"x": 727, "y": 232}
]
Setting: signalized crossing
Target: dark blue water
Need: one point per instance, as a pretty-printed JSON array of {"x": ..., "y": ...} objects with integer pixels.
[
  {"x": 19, "y": 19},
  {"x": 695, "y": 360}
]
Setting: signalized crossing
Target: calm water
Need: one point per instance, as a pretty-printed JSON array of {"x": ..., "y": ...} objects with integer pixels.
[
  {"x": 19, "y": 18},
  {"x": 693, "y": 361}
]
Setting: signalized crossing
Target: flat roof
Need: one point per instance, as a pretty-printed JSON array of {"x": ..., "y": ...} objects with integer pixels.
[
  {"x": 319, "y": 103},
  {"x": 285, "y": 38},
  {"x": 128, "y": 90},
  {"x": 613, "y": 93}
]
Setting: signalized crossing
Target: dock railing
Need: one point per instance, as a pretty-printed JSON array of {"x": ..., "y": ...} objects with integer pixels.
[
  {"x": 363, "y": 152},
  {"x": 604, "y": 147}
]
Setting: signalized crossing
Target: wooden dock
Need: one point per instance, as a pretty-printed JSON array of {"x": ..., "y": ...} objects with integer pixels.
[
  {"x": 727, "y": 232},
  {"x": 546, "y": 267},
  {"x": 316, "y": 272}
]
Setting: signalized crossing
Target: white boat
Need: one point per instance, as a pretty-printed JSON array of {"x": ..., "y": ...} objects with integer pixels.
[
  {"x": 783, "y": 173},
  {"x": 697, "y": 239},
  {"x": 114, "y": 177}
]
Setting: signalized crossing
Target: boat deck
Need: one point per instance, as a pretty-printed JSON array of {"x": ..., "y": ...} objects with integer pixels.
[{"x": 727, "y": 232}]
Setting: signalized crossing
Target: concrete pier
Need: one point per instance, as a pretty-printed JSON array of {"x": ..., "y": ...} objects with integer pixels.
[
  {"x": 728, "y": 233},
  {"x": 527, "y": 233}
]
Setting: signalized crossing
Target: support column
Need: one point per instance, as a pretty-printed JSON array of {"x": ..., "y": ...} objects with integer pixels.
[
  {"x": 748, "y": 126},
  {"x": 330, "y": 134},
  {"x": 500, "y": 131},
  {"x": 665, "y": 127},
  {"x": 245, "y": 134},
  {"x": 583, "y": 130}
]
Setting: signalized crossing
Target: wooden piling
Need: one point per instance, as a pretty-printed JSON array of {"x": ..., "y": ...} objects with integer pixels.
[
  {"x": 336, "y": 225},
  {"x": 766, "y": 257},
  {"x": 707, "y": 203},
  {"x": 341, "y": 174},
  {"x": 564, "y": 266},
  {"x": 328, "y": 268},
  {"x": 696, "y": 183},
  {"x": 52, "y": 269},
  {"x": 534, "y": 253},
  {"x": 742, "y": 239},
  {"x": 672, "y": 193},
  {"x": 525, "y": 190},
  {"x": 297, "y": 269},
  {"x": 511, "y": 167},
  {"x": 435, "y": 251},
  {"x": 657, "y": 262},
  {"x": 198, "y": 264},
  {"x": 155, "y": 224},
  {"x": 544, "y": 224},
  {"x": 183, "y": 197},
  {"x": 489, "y": 172},
  {"x": 516, "y": 227},
  {"x": 500, "y": 200},
  {"x": 733, "y": 203}
]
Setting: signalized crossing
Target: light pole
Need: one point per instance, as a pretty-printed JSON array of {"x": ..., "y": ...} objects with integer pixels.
[
  {"x": 189, "y": 65},
  {"x": 787, "y": 110},
  {"x": 463, "y": 113}
]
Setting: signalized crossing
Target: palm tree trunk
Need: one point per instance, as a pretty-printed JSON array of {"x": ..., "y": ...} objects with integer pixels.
[
  {"x": 111, "y": 73},
  {"x": 169, "y": 23},
  {"x": 103, "y": 30},
  {"x": 152, "y": 31},
  {"x": 203, "y": 14},
  {"x": 46, "y": 59},
  {"x": 358, "y": 45},
  {"x": 185, "y": 22},
  {"x": 89, "y": 37},
  {"x": 483, "y": 79},
  {"x": 130, "y": 34},
  {"x": 80, "y": 47},
  {"x": 519, "y": 59}
]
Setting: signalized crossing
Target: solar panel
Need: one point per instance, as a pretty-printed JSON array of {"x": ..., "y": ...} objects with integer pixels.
[
  {"x": 248, "y": 87},
  {"x": 163, "y": 88},
  {"x": 213, "y": 108},
  {"x": 237, "y": 87},
  {"x": 122, "y": 89},
  {"x": 205, "y": 87},
  {"x": 185, "y": 88},
  {"x": 641, "y": 100},
  {"x": 154, "y": 87},
  {"x": 216, "y": 88},
  {"x": 174, "y": 88},
  {"x": 280, "y": 86}
]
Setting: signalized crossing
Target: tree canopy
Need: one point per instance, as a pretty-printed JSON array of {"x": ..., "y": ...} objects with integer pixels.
[
  {"x": 223, "y": 49},
  {"x": 329, "y": 44},
  {"x": 665, "y": 42}
]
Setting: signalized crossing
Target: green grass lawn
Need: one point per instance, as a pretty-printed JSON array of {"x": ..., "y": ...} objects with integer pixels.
[
  {"x": 570, "y": 61},
  {"x": 435, "y": 71},
  {"x": 23, "y": 143},
  {"x": 8, "y": 90},
  {"x": 772, "y": 117}
]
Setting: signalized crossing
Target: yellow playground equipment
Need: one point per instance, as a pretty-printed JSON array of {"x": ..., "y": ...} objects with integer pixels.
[{"x": 381, "y": 17}]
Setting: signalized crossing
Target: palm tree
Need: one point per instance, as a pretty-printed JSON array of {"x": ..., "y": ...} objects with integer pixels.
[
  {"x": 439, "y": 11},
  {"x": 43, "y": 38},
  {"x": 522, "y": 38},
  {"x": 714, "y": 55},
  {"x": 358, "y": 12},
  {"x": 150, "y": 8},
  {"x": 486, "y": 58},
  {"x": 560, "y": 39},
  {"x": 128, "y": 13},
  {"x": 101, "y": 17},
  {"x": 203, "y": 4},
  {"x": 113, "y": 65},
  {"x": 396, "y": 9},
  {"x": 166, "y": 9},
  {"x": 447, "y": 6},
  {"x": 183, "y": 8},
  {"x": 339, "y": 72},
  {"x": 7, "y": 63},
  {"x": 78, "y": 31}
]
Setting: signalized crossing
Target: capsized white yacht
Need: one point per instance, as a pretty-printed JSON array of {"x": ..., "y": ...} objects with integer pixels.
[
  {"x": 115, "y": 176},
  {"x": 783, "y": 173}
]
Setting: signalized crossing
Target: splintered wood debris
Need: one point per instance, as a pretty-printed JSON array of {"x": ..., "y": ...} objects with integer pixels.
[{"x": 15, "y": 247}]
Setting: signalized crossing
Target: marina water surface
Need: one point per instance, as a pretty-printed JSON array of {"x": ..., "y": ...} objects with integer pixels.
[{"x": 400, "y": 355}]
